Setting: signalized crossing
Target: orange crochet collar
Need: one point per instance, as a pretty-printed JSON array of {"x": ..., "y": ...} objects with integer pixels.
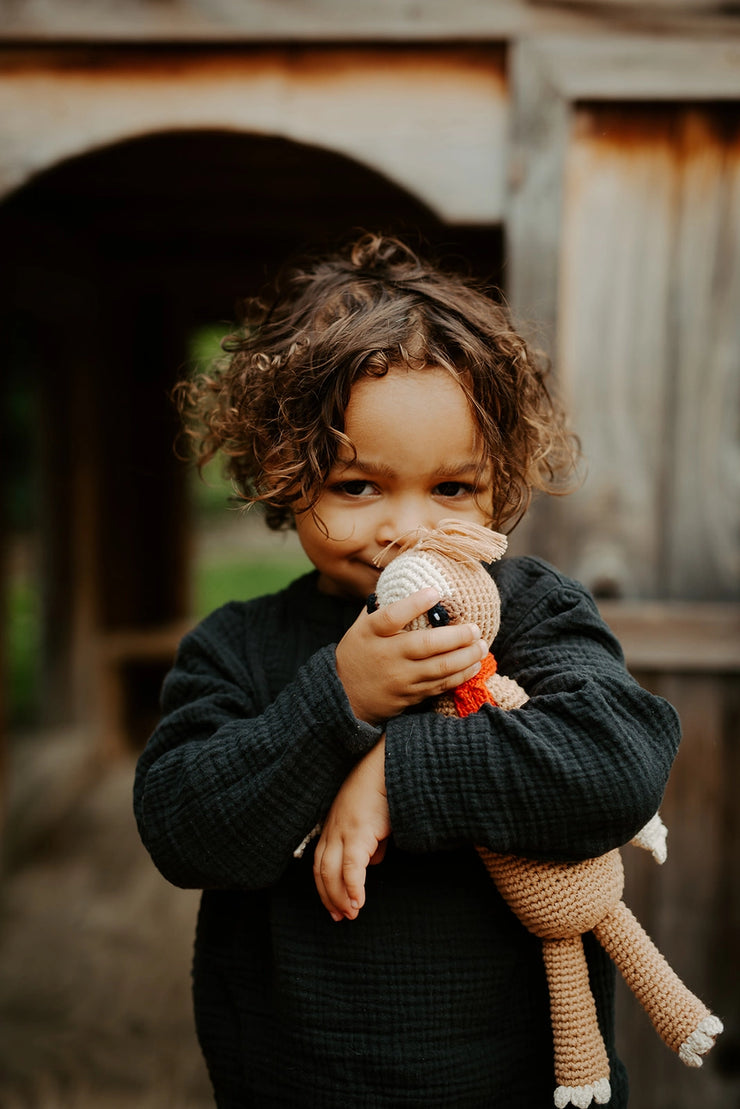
[{"x": 474, "y": 692}]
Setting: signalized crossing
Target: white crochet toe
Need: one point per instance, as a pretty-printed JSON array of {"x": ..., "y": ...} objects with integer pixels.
[
  {"x": 700, "y": 1041},
  {"x": 582, "y": 1096}
]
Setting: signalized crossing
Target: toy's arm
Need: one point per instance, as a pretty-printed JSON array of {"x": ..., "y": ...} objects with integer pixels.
[{"x": 507, "y": 693}]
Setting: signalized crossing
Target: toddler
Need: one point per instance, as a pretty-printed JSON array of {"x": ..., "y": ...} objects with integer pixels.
[{"x": 370, "y": 394}]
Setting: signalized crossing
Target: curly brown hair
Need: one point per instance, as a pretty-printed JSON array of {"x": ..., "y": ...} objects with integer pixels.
[{"x": 275, "y": 407}]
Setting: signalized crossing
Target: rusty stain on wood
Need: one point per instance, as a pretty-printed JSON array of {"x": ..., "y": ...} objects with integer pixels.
[
  {"x": 686, "y": 130},
  {"x": 119, "y": 62}
]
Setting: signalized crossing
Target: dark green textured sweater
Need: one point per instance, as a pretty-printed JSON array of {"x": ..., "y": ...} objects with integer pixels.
[{"x": 435, "y": 995}]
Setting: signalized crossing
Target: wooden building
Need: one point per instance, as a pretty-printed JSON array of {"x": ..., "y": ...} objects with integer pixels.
[{"x": 156, "y": 158}]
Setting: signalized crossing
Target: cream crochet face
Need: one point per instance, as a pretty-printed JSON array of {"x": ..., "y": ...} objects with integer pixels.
[{"x": 467, "y": 592}]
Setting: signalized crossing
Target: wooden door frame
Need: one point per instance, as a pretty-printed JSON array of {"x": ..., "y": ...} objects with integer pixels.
[{"x": 548, "y": 78}]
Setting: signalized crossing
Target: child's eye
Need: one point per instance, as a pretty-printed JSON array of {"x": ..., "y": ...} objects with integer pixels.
[
  {"x": 354, "y": 488},
  {"x": 454, "y": 489}
]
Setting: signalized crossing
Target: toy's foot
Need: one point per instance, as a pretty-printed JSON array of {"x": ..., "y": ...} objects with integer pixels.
[
  {"x": 653, "y": 838},
  {"x": 700, "y": 1042},
  {"x": 582, "y": 1096}
]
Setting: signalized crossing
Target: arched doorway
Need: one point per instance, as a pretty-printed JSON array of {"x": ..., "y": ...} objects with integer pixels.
[{"x": 114, "y": 258}]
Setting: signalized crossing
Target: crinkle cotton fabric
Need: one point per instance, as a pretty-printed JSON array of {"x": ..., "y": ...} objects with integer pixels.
[{"x": 435, "y": 995}]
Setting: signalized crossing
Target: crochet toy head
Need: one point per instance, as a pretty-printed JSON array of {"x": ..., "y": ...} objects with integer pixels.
[{"x": 449, "y": 559}]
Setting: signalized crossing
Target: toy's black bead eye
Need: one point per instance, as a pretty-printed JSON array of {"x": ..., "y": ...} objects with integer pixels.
[
  {"x": 372, "y": 602},
  {"x": 438, "y": 616}
]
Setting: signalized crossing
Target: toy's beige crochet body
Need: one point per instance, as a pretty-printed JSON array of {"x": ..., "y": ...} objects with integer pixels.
[{"x": 558, "y": 902}]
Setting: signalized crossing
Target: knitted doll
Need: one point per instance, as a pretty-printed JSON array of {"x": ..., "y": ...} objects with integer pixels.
[{"x": 558, "y": 902}]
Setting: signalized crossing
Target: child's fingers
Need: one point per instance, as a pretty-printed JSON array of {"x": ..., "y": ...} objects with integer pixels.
[
  {"x": 441, "y": 673},
  {"x": 322, "y": 873},
  {"x": 433, "y": 642},
  {"x": 452, "y": 681},
  {"x": 379, "y": 854},
  {"x": 339, "y": 874},
  {"x": 393, "y": 618},
  {"x": 354, "y": 871},
  {"x": 426, "y": 642}
]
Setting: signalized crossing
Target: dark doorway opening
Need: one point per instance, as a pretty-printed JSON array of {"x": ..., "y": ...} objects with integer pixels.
[{"x": 114, "y": 259}]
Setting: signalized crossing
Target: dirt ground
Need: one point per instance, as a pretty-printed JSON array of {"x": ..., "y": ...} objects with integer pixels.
[{"x": 94, "y": 945}]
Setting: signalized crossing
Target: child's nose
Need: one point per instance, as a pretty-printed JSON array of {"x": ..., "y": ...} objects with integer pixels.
[{"x": 400, "y": 518}]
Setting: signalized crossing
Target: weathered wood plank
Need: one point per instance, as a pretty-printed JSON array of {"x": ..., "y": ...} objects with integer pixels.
[
  {"x": 124, "y": 720},
  {"x": 684, "y": 905},
  {"x": 702, "y": 512},
  {"x": 272, "y": 19},
  {"x": 433, "y": 122},
  {"x": 622, "y": 67},
  {"x": 538, "y": 142},
  {"x": 595, "y": 260},
  {"x": 690, "y": 638},
  {"x": 613, "y": 346},
  {"x": 648, "y": 335},
  {"x": 378, "y": 20}
]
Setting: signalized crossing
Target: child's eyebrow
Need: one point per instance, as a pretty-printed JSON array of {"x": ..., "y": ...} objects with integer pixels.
[
  {"x": 378, "y": 469},
  {"x": 382, "y": 469}
]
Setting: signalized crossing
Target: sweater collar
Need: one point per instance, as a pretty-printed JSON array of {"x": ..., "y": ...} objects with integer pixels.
[{"x": 337, "y": 613}]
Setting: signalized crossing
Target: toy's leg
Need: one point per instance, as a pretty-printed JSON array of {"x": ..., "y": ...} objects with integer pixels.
[
  {"x": 680, "y": 1018},
  {"x": 581, "y": 1063}
]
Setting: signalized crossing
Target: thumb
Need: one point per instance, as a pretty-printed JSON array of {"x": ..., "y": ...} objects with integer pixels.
[{"x": 379, "y": 853}]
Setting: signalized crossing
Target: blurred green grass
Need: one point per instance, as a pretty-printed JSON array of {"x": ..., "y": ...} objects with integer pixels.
[
  {"x": 218, "y": 581},
  {"x": 240, "y": 575}
]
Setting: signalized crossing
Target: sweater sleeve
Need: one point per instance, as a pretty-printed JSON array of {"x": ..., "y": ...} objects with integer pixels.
[
  {"x": 576, "y": 771},
  {"x": 230, "y": 782}
]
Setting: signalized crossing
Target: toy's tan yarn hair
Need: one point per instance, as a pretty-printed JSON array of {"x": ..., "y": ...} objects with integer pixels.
[{"x": 458, "y": 540}]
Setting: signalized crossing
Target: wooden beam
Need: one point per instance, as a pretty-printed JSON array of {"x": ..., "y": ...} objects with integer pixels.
[
  {"x": 677, "y": 636},
  {"x": 339, "y": 20},
  {"x": 634, "y": 67},
  {"x": 432, "y": 121}
]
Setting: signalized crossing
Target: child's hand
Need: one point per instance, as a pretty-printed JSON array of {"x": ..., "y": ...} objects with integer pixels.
[
  {"x": 384, "y": 669},
  {"x": 354, "y": 835}
]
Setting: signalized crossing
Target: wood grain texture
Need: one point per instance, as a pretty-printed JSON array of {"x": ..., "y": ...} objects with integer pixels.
[
  {"x": 648, "y": 341},
  {"x": 618, "y": 67},
  {"x": 702, "y": 513},
  {"x": 612, "y": 348},
  {"x": 380, "y": 20},
  {"x": 677, "y": 637},
  {"x": 430, "y": 121},
  {"x": 690, "y": 905}
]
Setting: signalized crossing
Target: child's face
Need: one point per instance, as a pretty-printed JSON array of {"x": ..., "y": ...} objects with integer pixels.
[{"x": 418, "y": 455}]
